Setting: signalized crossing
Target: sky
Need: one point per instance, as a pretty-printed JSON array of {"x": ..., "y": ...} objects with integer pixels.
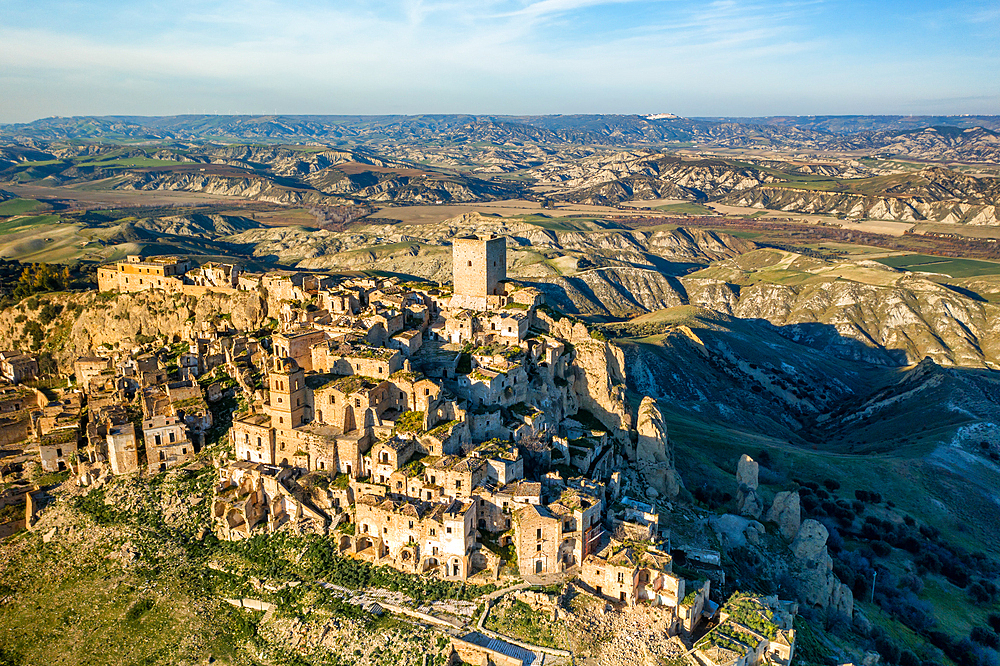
[{"x": 701, "y": 58}]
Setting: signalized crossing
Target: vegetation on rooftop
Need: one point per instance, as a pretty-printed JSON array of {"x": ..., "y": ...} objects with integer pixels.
[
  {"x": 410, "y": 421},
  {"x": 442, "y": 429}
]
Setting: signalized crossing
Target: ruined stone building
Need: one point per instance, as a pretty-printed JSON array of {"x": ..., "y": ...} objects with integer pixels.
[
  {"x": 752, "y": 630},
  {"x": 559, "y": 535},
  {"x": 87, "y": 367},
  {"x": 57, "y": 448},
  {"x": 138, "y": 274},
  {"x": 633, "y": 574},
  {"x": 416, "y": 536},
  {"x": 167, "y": 443},
  {"x": 16, "y": 367},
  {"x": 123, "y": 449},
  {"x": 248, "y": 494}
]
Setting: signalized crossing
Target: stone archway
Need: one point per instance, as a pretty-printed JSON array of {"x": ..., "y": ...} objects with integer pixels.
[
  {"x": 234, "y": 519},
  {"x": 346, "y": 543}
]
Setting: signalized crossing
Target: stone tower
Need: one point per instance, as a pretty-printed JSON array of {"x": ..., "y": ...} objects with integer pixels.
[
  {"x": 479, "y": 266},
  {"x": 287, "y": 385}
]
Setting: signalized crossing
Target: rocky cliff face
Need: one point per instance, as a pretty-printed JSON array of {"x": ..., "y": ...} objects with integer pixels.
[
  {"x": 425, "y": 250},
  {"x": 89, "y": 320},
  {"x": 599, "y": 384},
  {"x": 817, "y": 584},
  {"x": 748, "y": 502},
  {"x": 858, "y": 206},
  {"x": 610, "y": 179},
  {"x": 654, "y": 454},
  {"x": 246, "y": 186},
  {"x": 861, "y": 310}
]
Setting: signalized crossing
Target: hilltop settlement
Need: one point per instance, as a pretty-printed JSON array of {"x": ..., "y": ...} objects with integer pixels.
[{"x": 461, "y": 432}]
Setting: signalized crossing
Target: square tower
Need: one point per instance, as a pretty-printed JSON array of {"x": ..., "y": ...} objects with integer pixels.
[{"x": 479, "y": 265}]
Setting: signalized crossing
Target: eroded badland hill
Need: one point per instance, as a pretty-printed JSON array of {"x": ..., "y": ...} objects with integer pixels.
[{"x": 447, "y": 389}]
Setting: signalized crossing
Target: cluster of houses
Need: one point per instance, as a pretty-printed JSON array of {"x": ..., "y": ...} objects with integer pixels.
[{"x": 427, "y": 428}]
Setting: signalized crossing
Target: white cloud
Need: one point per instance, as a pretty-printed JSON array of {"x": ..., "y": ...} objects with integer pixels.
[{"x": 498, "y": 56}]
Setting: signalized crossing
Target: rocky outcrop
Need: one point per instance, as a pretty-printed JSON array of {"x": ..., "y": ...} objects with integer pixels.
[
  {"x": 90, "y": 320},
  {"x": 748, "y": 502},
  {"x": 813, "y": 571},
  {"x": 859, "y": 206},
  {"x": 599, "y": 378},
  {"x": 609, "y": 179},
  {"x": 653, "y": 452},
  {"x": 786, "y": 513},
  {"x": 246, "y": 185},
  {"x": 854, "y": 310}
]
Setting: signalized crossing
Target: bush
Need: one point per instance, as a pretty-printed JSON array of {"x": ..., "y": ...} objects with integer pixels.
[
  {"x": 831, "y": 485},
  {"x": 868, "y": 497},
  {"x": 35, "y": 332},
  {"x": 986, "y": 637},
  {"x": 138, "y": 609},
  {"x": 48, "y": 313},
  {"x": 994, "y": 621},
  {"x": 984, "y": 592}
]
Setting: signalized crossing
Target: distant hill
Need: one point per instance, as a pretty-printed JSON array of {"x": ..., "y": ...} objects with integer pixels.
[
  {"x": 852, "y": 124},
  {"x": 890, "y": 133}
]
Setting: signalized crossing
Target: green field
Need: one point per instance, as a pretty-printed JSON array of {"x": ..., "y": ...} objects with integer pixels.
[
  {"x": 22, "y": 223},
  {"x": 956, "y": 268},
  {"x": 121, "y": 162},
  {"x": 686, "y": 209},
  {"x": 561, "y": 223},
  {"x": 20, "y": 206}
]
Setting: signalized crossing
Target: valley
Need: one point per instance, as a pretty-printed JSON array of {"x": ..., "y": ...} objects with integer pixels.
[{"x": 819, "y": 294}]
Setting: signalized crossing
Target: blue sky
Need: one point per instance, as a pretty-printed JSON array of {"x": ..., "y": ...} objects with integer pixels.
[{"x": 723, "y": 57}]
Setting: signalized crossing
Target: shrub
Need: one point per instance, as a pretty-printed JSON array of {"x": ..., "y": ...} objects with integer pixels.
[
  {"x": 35, "y": 332},
  {"x": 48, "y": 313},
  {"x": 138, "y": 609},
  {"x": 994, "y": 621},
  {"x": 986, "y": 637},
  {"x": 984, "y": 592},
  {"x": 881, "y": 548}
]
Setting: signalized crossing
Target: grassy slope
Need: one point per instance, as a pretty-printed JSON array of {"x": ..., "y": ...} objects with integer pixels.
[
  {"x": 20, "y": 206},
  {"x": 956, "y": 268},
  {"x": 706, "y": 452}
]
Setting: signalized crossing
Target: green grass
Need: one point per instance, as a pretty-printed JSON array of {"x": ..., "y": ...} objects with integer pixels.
[
  {"x": 953, "y": 610},
  {"x": 20, "y": 206},
  {"x": 561, "y": 223},
  {"x": 956, "y": 268},
  {"x": 686, "y": 209},
  {"x": 80, "y": 610},
  {"x": 22, "y": 223},
  {"x": 122, "y": 162},
  {"x": 749, "y": 235},
  {"x": 520, "y": 621}
]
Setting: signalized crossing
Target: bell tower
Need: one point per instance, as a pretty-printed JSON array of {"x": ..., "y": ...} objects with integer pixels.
[{"x": 287, "y": 391}]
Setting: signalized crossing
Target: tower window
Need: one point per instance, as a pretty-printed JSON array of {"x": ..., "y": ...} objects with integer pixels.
[{"x": 470, "y": 263}]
